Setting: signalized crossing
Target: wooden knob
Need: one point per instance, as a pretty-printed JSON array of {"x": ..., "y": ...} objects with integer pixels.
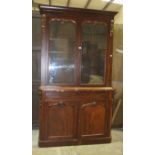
[{"x": 80, "y": 48}]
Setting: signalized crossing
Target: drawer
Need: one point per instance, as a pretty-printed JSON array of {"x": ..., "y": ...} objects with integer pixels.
[
  {"x": 93, "y": 95},
  {"x": 58, "y": 95},
  {"x": 61, "y": 103},
  {"x": 76, "y": 95}
]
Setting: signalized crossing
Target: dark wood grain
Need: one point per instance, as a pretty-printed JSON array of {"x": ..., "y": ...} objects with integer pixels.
[
  {"x": 93, "y": 118},
  {"x": 62, "y": 116}
]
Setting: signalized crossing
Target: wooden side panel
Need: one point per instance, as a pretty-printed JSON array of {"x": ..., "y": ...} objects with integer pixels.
[
  {"x": 35, "y": 104},
  {"x": 36, "y": 69}
]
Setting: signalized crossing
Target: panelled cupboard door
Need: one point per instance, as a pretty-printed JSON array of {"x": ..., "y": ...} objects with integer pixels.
[
  {"x": 61, "y": 120},
  {"x": 93, "y": 116}
]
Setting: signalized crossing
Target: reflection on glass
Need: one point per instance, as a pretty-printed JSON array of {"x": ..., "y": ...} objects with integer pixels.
[
  {"x": 93, "y": 53},
  {"x": 61, "y": 52}
]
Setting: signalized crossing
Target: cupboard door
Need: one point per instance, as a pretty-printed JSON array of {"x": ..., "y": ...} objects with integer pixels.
[
  {"x": 93, "y": 119},
  {"x": 61, "y": 120}
]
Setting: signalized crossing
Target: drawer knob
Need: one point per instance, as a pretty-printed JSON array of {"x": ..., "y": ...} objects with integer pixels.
[{"x": 93, "y": 103}]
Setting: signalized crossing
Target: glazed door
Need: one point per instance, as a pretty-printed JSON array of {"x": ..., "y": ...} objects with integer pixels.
[
  {"x": 93, "y": 117},
  {"x": 77, "y": 51},
  {"x": 93, "y": 54},
  {"x": 62, "y": 120},
  {"x": 61, "y": 52}
]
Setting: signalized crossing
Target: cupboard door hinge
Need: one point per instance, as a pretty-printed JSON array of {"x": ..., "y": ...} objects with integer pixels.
[{"x": 111, "y": 27}]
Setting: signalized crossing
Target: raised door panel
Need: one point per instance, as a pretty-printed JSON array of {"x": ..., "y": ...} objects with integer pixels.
[
  {"x": 61, "y": 121},
  {"x": 93, "y": 119}
]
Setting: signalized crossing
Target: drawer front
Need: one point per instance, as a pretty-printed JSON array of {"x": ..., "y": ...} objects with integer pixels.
[
  {"x": 92, "y": 95},
  {"x": 76, "y": 95},
  {"x": 58, "y": 95}
]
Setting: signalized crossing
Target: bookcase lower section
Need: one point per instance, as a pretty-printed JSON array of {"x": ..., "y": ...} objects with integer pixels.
[{"x": 75, "y": 116}]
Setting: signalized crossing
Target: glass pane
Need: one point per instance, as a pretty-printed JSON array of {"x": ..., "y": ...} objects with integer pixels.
[
  {"x": 62, "y": 44},
  {"x": 93, "y": 54}
]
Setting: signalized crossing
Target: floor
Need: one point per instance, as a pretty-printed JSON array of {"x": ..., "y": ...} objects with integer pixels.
[{"x": 114, "y": 148}]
